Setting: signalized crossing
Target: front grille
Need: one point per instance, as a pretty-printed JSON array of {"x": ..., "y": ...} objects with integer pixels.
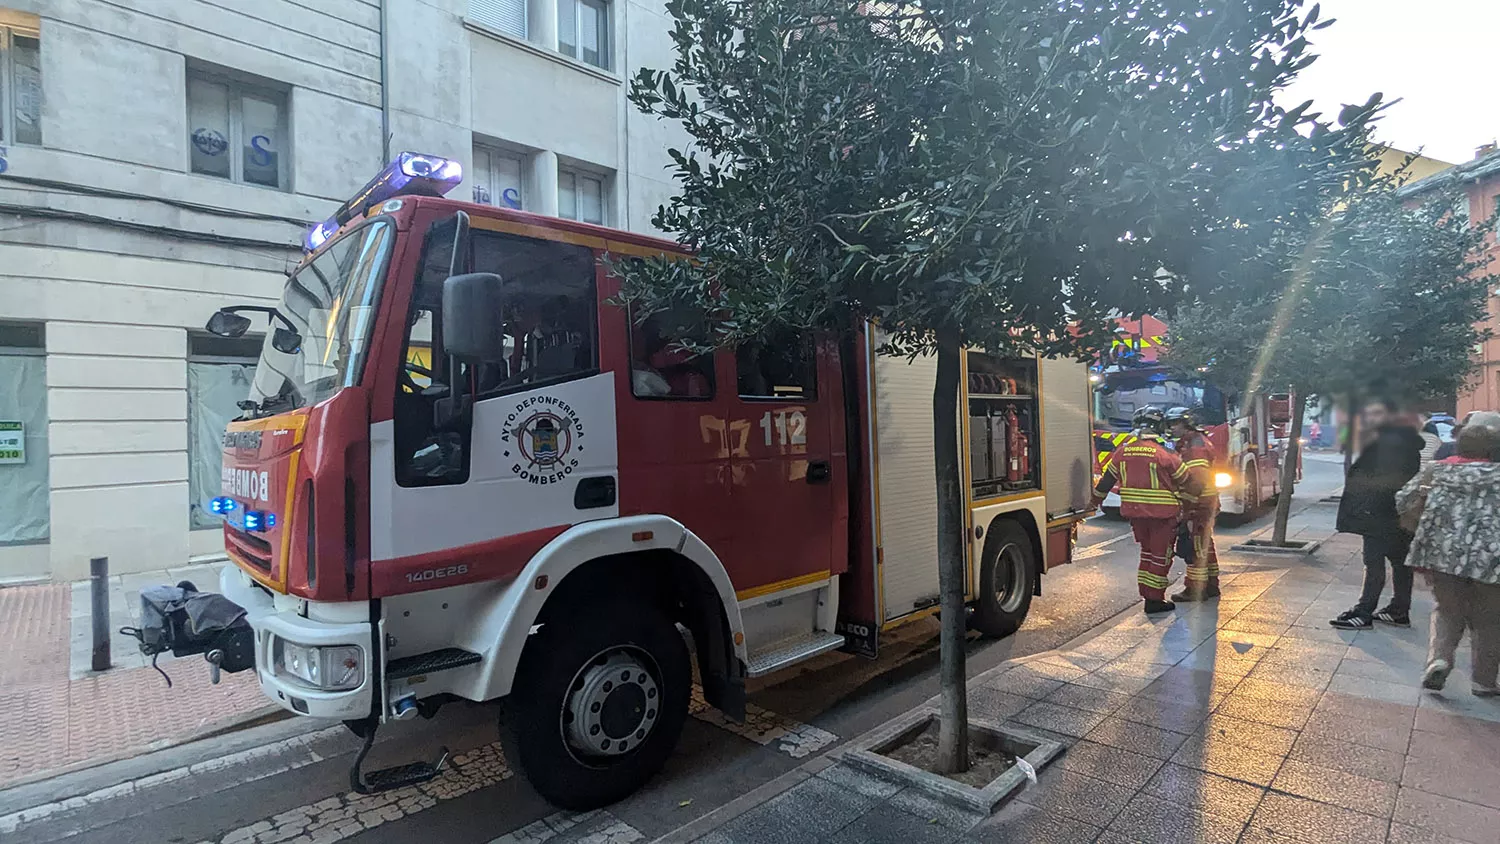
[{"x": 252, "y": 548}]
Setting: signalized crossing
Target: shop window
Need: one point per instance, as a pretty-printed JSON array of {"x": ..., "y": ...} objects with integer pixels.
[
  {"x": 498, "y": 178},
  {"x": 580, "y": 196},
  {"x": 20, "y": 86},
  {"x": 237, "y": 130},
  {"x": 25, "y": 512},
  {"x": 507, "y": 16},
  {"x": 781, "y": 367},
  {"x": 219, "y": 373},
  {"x": 659, "y": 367},
  {"x": 583, "y": 31}
]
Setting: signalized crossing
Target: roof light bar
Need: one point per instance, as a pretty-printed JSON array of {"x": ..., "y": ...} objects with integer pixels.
[{"x": 409, "y": 174}]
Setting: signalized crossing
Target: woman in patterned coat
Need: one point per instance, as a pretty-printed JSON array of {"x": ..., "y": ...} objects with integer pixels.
[{"x": 1456, "y": 506}]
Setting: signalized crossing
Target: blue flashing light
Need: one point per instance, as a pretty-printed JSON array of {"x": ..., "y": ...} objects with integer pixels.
[
  {"x": 255, "y": 520},
  {"x": 222, "y": 504},
  {"x": 408, "y": 174}
]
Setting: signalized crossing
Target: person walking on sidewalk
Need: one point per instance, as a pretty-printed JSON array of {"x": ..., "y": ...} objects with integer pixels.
[
  {"x": 1391, "y": 456},
  {"x": 1455, "y": 506},
  {"x": 1150, "y": 478},
  {"x": 1202, "y": 579}
]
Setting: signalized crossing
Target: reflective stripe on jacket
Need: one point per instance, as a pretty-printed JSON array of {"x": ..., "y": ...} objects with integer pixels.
[
  {"x": 1198, "y": 458},
  {"x": 1149, "y": 478}
]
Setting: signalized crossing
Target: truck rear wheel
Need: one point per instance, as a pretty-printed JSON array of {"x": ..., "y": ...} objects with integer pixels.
[
  {"x": 1007, "y": 575},
  {"x": 598, "y": 704}
]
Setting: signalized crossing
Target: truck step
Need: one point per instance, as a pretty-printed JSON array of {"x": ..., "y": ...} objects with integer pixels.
[
  {"x": 400, "y": 776},
  {"x": 432, "y": 661},
  {"x": 793, "y": 650}
]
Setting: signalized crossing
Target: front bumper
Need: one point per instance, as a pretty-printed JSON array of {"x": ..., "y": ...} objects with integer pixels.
[{"x": 284, "y": 619}]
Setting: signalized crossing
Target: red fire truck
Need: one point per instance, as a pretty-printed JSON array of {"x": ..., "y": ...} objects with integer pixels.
[
  {"x": 1247, "y": 432},
  {"x": 464, "y": 474}
]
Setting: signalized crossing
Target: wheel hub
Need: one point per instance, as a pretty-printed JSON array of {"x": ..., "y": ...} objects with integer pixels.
[{"x": 613, "y": 705}]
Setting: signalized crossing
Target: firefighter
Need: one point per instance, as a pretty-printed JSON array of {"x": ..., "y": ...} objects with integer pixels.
[
  {"x": 1197, "y": 453},
  {"x": 1150, "y": 478}
]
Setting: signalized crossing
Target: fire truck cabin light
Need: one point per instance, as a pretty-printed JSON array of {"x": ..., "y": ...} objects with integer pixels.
[
  {"x": 222, "y": 504},
  {"x": 1223, "y": 480},
  {"x": 329, "y": 668},
  {"x": 257, "y": 522},
  {"x": 408, "y": 174}
]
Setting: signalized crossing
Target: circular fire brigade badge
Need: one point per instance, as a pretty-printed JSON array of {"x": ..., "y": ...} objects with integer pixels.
[{"x": 544, "y": 436}]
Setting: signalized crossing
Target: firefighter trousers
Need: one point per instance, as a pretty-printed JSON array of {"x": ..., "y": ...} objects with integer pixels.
[
  {"x": 1203, "y": 567},
  {"x": 1155, "y": 537}
]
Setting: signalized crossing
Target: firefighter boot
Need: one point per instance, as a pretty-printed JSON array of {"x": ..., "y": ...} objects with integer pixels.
[
  {"x": 1153, "y": 607},
  {"x": 1191, "y": 594}
]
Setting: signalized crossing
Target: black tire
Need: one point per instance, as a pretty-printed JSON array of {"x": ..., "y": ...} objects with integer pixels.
[
  {"x": 555, "y": 666},
  {"x": 1007, "y": 578},
  {"x": 1253, "y": 505}
]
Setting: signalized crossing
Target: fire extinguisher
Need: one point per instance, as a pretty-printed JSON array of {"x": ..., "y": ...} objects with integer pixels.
[{"x": 1015, "y": 447}]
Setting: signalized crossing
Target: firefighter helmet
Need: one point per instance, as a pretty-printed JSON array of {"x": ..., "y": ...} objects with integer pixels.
[
  {"x": 1185, "y": 415},
  {"x": 1148, "y": 419}
]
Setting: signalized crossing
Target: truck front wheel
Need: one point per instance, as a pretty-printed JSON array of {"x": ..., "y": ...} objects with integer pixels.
[
  {"x": 598, "y": 704},
  {"x": 1007, "y": 575}
]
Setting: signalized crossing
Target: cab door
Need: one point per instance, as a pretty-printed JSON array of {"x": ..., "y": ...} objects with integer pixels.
[{"x": 788, "y": 483}]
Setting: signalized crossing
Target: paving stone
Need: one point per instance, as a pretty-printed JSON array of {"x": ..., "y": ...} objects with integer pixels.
[
  {"x": 920, "y": 805},
  {"x": 994, "y": 705},
  {"x": 1263, "y": 689},
  {"x": 858, "y": 781},
  {"x": 1327, "y": 785},
  {"x": 888, "y": 825},
  {"x": 1060, "y": 719},
  {"x": 1459, "y": 779},
  {"x": 1019, "y": 822},
  {"x": 1351, "y": 758},
  {"x": 1460, "y": 749},
  {"x": 1026, "y": 682},
  {"x": 1266, "y": 738},
  {"x": 1404, "y": 834},
  {"x": 809, "y": 811},
  {"x": 1219, "y": 755},
  {"x": 1111, "y": 764},
  {"x": 1479, "y": 733},
  {"x": 1308, "y": 677},
  {"x": 1358, "y": 731},
  {"x": 1446, "y": 816},
  {"x": 1315, "y": 823},
  {"x": 1077, "y": 796},
  {"x": 1156, "y": 820},
  {"x": 1088, "y": 698},
  {"x": 1402, "y": 693},
  {"x": 1194, "y": 790},
  {"x": 1274, "y": 713},
  {"x": 1140, "y": 738},
  {"x": 1166, "y": 715}
]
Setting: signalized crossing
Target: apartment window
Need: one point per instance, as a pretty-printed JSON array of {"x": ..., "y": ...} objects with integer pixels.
[
  {"x": 507, "y": 16},
  {"x": 20, "y": 86},
  {"x": 583, "y": 30},
  {"x": 237, "y": 131},
  {"x": 497, "y": 178},
  {"x": 580, "y": 196}
]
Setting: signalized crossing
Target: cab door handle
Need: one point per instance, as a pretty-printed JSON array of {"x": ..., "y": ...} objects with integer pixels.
[{"x": 819, "y": 472}]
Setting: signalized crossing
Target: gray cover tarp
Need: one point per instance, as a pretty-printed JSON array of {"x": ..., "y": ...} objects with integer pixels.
[
  {"x": 24, "y": 496},
  {"x": 208, "y": 613},
  {"x": 214, "y": 389}
]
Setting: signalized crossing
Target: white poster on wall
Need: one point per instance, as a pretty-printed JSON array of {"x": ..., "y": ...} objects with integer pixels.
[{"x": 12, "y": 441}]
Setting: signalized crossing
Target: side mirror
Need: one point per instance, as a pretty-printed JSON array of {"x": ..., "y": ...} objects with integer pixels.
[
  {"x": 227, "y": 324},
  {"x": 472, "y": 304},
  {"x": 286, "y": 341}
]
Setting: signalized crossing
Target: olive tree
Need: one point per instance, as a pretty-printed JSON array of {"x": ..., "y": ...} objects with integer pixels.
[{"x": 1004, "y": 174}]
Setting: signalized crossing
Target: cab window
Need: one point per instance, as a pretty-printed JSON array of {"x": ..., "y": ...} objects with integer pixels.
[
  {"x": 779, "y": 367},
  {"x": 660, "y": 366}
]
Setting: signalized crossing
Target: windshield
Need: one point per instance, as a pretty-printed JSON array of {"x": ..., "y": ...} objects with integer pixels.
[
  {"x": 1115, "y": 403},
  {"x": 331, "y": 302}
]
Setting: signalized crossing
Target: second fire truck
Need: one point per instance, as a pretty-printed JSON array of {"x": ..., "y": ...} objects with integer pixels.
[{"x": 463, "y": 474}]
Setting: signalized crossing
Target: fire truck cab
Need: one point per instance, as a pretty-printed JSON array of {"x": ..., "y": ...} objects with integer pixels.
[{"x": 465, "y": 473}]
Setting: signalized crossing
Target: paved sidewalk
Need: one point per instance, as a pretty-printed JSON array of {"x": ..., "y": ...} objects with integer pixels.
[
  {"x": 1246, "y": 720},
  {"x": 63, "y": 715}
]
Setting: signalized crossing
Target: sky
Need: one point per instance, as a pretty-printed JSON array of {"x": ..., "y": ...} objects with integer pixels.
[{"x": 1440, "y": 57}]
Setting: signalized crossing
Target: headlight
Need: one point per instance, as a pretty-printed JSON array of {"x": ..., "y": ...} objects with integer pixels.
[
  {"x": 334, "y": 668},
  {"x": 1223, "y": 480}
]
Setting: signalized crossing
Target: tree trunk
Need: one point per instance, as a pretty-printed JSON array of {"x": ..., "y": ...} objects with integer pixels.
[
  {"x": 953, "y": 724},
  {"x": 1288, "y": 474},
  {"x": 1348, "y": 433}
]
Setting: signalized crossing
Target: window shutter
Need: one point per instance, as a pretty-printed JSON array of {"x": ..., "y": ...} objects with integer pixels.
[{"x": 508, "y": 16}]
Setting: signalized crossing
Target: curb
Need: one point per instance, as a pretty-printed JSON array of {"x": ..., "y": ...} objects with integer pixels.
[{"x": 254, "y": 728}]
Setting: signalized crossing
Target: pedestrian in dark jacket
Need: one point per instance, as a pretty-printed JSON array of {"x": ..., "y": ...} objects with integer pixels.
[{"x": 1392, "y": 455}]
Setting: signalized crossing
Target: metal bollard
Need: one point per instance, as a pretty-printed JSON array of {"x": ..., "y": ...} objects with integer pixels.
[{"x": 99, "y": 583}]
